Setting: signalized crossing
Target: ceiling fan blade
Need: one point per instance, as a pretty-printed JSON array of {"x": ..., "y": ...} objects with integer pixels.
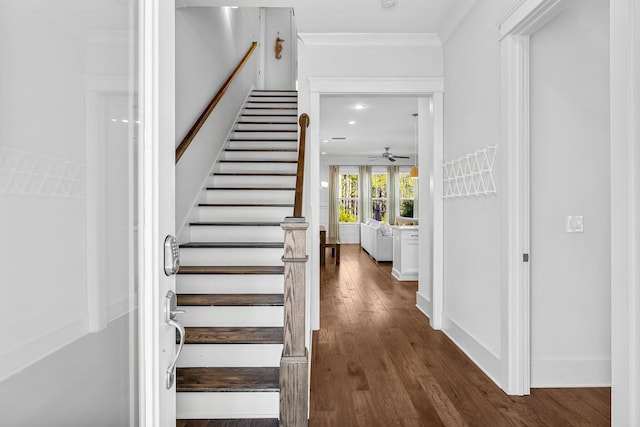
[
  {"x": 392, "y": 159},
  {"x": 402, "y": 157}
]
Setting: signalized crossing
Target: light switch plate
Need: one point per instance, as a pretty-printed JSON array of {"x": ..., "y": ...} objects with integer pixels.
[{"x": 575, "y": 224}]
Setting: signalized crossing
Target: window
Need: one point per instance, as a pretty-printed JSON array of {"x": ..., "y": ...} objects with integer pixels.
[
  {"x": 407, "y": 195},
  {"x": 348, "y": 197},
  {"x": 379, "y": 196}
]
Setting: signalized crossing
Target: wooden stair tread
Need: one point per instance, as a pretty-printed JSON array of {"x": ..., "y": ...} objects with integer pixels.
[
  {"x": 220, "y": 335},
  {"x": 244, "y": 122},
  {"x": 258, "y": 161},
  {"x": 268, "y": 300},
  {"x": 275, "y": 205},
  {"x": 252, "y": 188},
  {"x": 253, "y": 174},
  {"x": 235, "y": 224},
  {"x": 233, "y": 245},
  {"x": 263, "y": 140},
  {"x": 227, "y": 379},
  {"x": 240, "y": 269},
  {"x": 234, "y": 422},
  {"x": 270, "y": 108},
  {"x": 267, "y": 130},
  {"x": 262, "y": 150},
  {"x": 268, "y": 115}
]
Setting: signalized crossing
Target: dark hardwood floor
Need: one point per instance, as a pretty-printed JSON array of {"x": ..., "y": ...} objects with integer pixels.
[{"x": 377, "y": 362}]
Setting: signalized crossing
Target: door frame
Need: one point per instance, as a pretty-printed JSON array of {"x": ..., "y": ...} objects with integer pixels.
[
  {"x": 431, "y": 112},
  {"x": 516, "y": 28},
  {"x": 156, "y": 196}
]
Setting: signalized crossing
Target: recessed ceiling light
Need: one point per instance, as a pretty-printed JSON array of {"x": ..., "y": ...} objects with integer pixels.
[
  {"x": 323, "y": 153},
  {"x": 358, "y": 106},
  {"x": 352, "y": 122},
  {"x": 325, "y": 140}
]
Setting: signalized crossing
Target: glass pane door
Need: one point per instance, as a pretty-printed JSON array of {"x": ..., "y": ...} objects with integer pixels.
[{"x": 68, "y": 209}]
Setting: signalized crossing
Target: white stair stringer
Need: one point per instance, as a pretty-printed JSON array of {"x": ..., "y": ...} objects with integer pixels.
[{"x": 234, "y": 254}]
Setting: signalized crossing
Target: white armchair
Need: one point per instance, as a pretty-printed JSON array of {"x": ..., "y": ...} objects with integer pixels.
[{"x": 376, "y": 238}]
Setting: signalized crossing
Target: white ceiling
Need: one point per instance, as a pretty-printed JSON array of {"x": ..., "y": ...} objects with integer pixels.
[
  {"x": 386, "y": 121},
  {"x": 362, "y": 16},
  {"x": 368, "y": 16}
]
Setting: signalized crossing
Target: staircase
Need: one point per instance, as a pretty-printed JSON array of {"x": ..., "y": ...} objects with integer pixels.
[{"x": 231, "y": 281}]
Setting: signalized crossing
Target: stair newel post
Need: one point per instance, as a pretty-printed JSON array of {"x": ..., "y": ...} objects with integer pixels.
[{"x": 294, "y": 365}]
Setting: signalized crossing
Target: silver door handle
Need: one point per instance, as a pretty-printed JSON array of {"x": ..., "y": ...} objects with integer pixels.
[{"x": 170, "y": 313}]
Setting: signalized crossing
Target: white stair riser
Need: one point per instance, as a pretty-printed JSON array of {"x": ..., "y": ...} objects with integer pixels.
[
  {"x": 272, "y": 104},
  {"x": 197, "y": 405},
  {"x": 267, "y": 127},
  {"x": 290, "y": 118},
  {"x": 250, "y": 196},
  {"x": 275, "y": 135},
  {"x": 261, "y": 155},
  {"x": 231, "y": 316},
  {"x": 232, "y": 233},
  {"x": 244, "y": 213},
  {"x": 231, "y": 256},
  {"x": 273, "y": 98},
  {"x": 230, "y": 283},
  {"x": 230, "y": 355},
  {"x": 248, "y": 181},
  {"x": 258, "y": 109},
  {"x": 236, "y": 167},
  {"x": 288, "y": 145}
]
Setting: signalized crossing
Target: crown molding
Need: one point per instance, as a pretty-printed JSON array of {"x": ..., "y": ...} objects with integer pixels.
[
  {"x": 370, "y": 39},
  {"x": 238, "y": 3}
]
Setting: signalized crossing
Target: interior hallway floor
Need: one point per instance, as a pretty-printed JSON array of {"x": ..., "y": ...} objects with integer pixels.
[{"x": 377, "y": 362}]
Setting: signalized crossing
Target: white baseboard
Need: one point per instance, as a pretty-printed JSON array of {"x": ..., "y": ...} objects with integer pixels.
[
  {"x": 479, "y": 354},
  {"x": 571, "y": 373},
  {"x": 424, "y": 305},
  {"x": 21, "y": 357}
]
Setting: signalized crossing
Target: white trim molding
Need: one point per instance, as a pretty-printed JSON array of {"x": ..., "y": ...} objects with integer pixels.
[
  {"x": 625, "y": 212},
  {"x": 431, "y": 88},
  {"x": 526, "y": 17},
  {"x": 484, "y": 359},
  {"x": 415, "y": 86}
]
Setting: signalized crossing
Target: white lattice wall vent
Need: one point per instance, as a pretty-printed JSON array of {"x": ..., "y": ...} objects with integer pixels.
[{"x": 470, "y": 175}]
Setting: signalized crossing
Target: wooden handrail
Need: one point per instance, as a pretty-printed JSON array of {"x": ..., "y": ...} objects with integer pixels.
[
  {"x": 216, "y": 99},
  {"x": 297, "y": 204}
]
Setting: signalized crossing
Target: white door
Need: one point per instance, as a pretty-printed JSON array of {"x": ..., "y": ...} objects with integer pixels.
[
  {"x": 86, "y": 198},
  {"x": 68, "y": 215}
]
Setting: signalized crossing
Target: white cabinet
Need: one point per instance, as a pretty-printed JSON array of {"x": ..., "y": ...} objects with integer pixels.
[{"x": 405, "y": 253}]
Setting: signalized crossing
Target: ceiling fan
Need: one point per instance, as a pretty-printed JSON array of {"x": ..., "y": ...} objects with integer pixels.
[{"x": 388, "y": 155}]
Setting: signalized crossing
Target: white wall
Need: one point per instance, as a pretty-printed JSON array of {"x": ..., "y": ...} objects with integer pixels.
[
  {"x": 570, "y": 272},
  {"x": 280, "y": 73},
  {"x": 475, "y": 262},
  {"x": 472, "y": 240},
  {"x": 209, "y": 44},
  {"x": 64, "y": 75}
]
